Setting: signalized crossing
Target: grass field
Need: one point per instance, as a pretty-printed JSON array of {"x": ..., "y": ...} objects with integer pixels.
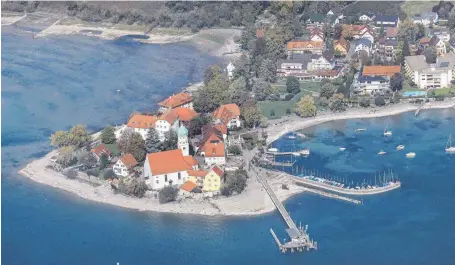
[
  {"x": 412, "y": 8},
  {"x": 280, "y": 107},
  {"x": 444, "y": 91}
]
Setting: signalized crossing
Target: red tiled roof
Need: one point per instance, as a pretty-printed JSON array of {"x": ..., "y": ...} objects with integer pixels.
[
  {"x": 213, "y": 148},
  {"x": 197, "y": 173},
  {"x": 210, "y": 133},
  {"x": 302, "y": 44},
  {"x": 190, "y": 160},
  {"x": 128, "y": 160},
  {"x": 176, "y": 100},
  {"x": 169, "y": 116},
  {"x": 188, "y": 186},
  {"x": 380, "y": 70},
  {"x": 226, "y": 113},
  {"x": 425, "y": 40},
  {"x": 185, "y": 114},
  {"x": 217, "y": 170},
  {"x": 392, "y": 32},
  {"x": 221, "y": 128},
  {"x": 100, "y": 149},
  {"x": 342, "y": 41},
  {"x": 142, "y": 121},
  {"x": 167, "y": 162}
]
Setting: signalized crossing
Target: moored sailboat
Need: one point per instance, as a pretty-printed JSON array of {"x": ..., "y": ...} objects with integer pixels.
[{"x": 449, "y": 147}]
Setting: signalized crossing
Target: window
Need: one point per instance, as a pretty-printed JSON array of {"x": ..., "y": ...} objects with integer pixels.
[
  {"x": 165, "y": 178},
  {"x": 179, "y": 176},
  {"x": 157, "y": 182}
]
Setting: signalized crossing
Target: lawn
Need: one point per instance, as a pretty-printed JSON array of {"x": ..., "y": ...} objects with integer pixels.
[
  {"x": 114, "y": 149},
  {"x": 412, "y": 8},
  {"x": 280, "y": 107},
  {"x": 444, "y": 91}
]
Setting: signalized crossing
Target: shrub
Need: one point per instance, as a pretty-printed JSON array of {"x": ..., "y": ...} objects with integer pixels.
[
  {"x": 71, "y": 174},
  {"x": 93, "y": 172},
  {"x": 364, "y": 102},
  {"x": 168, "y": 194},
  {"x": 288, "y": 111},
  {"x": 225, "y": 191},
  {"x": 379, "y": 101},
  {"x": 109, "y": 174},
  {"x": 235, "y": 150}
]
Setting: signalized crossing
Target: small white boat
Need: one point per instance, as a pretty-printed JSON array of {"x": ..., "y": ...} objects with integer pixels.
[
  {"x": 291, "y": 137},
  {"x": 400, "y": 147},
  {"x": 301, "y": 135},
  {"x": 273, "y": 149},
  {"x": 387, "y": 132},
  {"x": 361, "y": 130},
  {"x": 305, "y": 152},
  {"x": 382, "y": 153},
  {"x": 411, "y": 155},
  {"x": 342, "y": 149},
  {"x": 449, "y": 147},
  {"x": 296, "y": 154}
]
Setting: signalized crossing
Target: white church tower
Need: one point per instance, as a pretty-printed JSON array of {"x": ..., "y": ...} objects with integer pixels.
[{"x": 183, "y": 140}]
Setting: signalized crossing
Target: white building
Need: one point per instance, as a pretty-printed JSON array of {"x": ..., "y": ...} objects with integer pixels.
[
  {"x": 442, "y": 34},
  {"x": 426, "y": 76},
  {"x": 229, "y": 115},
  {"x": 167, "y": 168},
  {"x": 142, "y": 123},
  {"x": 124, "y": 165},
  {"x": 212, "y": 145},
  {"x": 371, "y": 85},
  {"x": 322, "y": 62},
  {"x": 230, "y": 70},
  {"x": 367, "y": 16},
  {"x": 426, "y": 18},
  {"x": 363, "y": 45}
]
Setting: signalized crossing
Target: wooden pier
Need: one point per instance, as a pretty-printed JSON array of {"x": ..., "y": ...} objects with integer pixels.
[{"x": 299, "y": 237}]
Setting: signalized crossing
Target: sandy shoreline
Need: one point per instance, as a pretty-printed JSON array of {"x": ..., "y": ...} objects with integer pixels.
[
  {"x": 253, "y": 201},
  {"x": 280, "y": 127}
]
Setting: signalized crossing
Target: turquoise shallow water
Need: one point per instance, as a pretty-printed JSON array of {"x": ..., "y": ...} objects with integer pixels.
[{"x": 53, "y": 83}]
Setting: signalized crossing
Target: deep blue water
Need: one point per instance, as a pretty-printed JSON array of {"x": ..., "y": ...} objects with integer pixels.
[{"x": 53, "y": 83}]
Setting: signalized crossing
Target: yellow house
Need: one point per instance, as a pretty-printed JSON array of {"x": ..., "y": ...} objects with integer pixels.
[
  {"x": 197, "y": 176},
  {"x": 212, "y": 181},
  {"x": 341, "y": 45}
]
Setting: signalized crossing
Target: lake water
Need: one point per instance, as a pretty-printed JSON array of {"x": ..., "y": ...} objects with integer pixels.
[{"x": 56, "y": 82}]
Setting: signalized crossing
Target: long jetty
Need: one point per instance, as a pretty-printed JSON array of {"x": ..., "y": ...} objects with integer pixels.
[
  {"x": 300, "y": 239},
  {"x": 333, "y": 196},
  {"x": 324, "y": 186}
]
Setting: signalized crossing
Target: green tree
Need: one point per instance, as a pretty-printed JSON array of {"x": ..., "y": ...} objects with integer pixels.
[
  {"x": 236, "y": 182},
  {"x": 108, "y": 135},
  {"x": 104, "y": 161},
  {"x": 132, "y": 142},
  {"x": 152, "y": 142},
  {"x": 251, "y": 115},
  {"x": 262, "y": 89},
  {"x": 420, "y": 31},
  {"x": 379, "y": 101},
  {"x": 212, "y": 72},
  {"x": 238, "y": 92},
  {"x": 267, "y": 70},
  {"x": 235, "y": 150},
  {"x": 292, "y": 85},
  {"x": 430, "y": 54},
  {"x": 327, "y": 91},
  {"x": 59, "y": 139},
  {"x": 109, "y": 174},
  {"x": 66, "y": 156},
  {"x": 170, "y": 140},
  {"x": 87, "y": 159},
  {"x": 337, "y": 103},
  {"x": 305, "y": 107},
  {"x": 396, "y": 82},
  {"x": 78, "y": 136},
  {"x": 196, "y": 125},
  {"x": 364, "y": 102},
  {"x": 168, "y": 194},
  {"x": 272, "y": 113}
]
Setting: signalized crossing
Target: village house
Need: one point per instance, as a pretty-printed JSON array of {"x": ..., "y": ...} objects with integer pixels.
[
  {"x": 322, "y": 62},
  {"x": 212, "y": 145},
  {"x": 167, "y": 168},
  {"x": 426, "y": 18},
  {"x": 197, "y": 176},
  {"x": 370, "y": 85},
  {"x": 228, "y": 115},
  {"x": 367, "y": 16},
  {"x": 302, "y": 46},
  {"x": 164, "y": 123},
  {"x": 363, "y": 45},
  {"x": 386, "y": 48},
  {"x": 386, "y": 21},
  {"x": 359, "y": 31},
  {"x": 187, "y": 188},
  {"x": 124, "y": 165},
  {"x": 442, "y": 33},
  {"x": 185, "y": 115},
  {"x": 391, "y": 33},
  {"x": 212, "y": 181},
  {"x": 292, "y": 67},
  {"x": 341, "y": 45},
  {"x": 425, "y": 76},
  {"x": 181, "y": 99},
  {"x": 435, "y": 42},
  {"x": 100, "y": 150},
  {"x": 141, "y": 124},
  {"x": 335, "y": 12},
  {"x": 316, "y": 34}
]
